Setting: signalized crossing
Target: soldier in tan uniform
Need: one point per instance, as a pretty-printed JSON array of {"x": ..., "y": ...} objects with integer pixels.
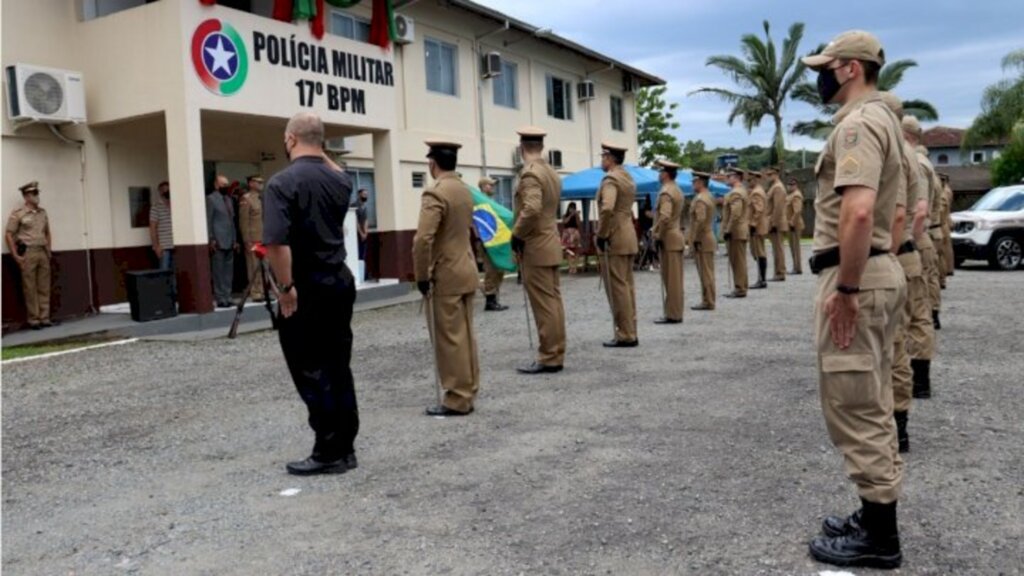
[
  {"x": 736, "y": 230},
  {"x": 921, "y": 360},
  {"x": 250, "y": 220},
  {"x": 757, "y": 214},
  {"x": 668, "y": 236},
  {"x": 946, "y": 249},
  {"x": 702, "y": 238},
  {"x": 795, "y": 214},
  {"x": 28, "y": 239},
  {"x": 493, "y": 276},
  {"x": 446, "y": 276},
  {"x": 539, "y": 250},
  {"x": 616, "y": 237},
  {"x": 777, "y": 221},
  {"x": 861, "y": 290}
]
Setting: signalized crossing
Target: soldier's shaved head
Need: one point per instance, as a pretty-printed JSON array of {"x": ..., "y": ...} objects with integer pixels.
[{"x": 307, "y": 128}]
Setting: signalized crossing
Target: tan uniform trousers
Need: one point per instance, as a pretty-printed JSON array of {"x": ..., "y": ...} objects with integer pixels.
[
  {"x": 856, "y": 391},
  {"x": 35, "y": 283},
  {"x": 738, "y": 262},
  {"x": 757, "y": 246},
  {"x": 455, "y": 350},
  {"x": 672, "y": 279},
  {"x": 544, "y": 290},
  {"x": 902, "y": 374},
  {"x": 778, "y": 254},
  {"x": 622, "y": 294},
  {"x": 252, "y": 264},
  {"x": 493, "y": 277},
  {"x": 930, "y": 263},
  {"x": 947, "y": 249},
  {"x": 794, "y": 249},
  {"x": 943, "y": 265},
  {"x": 706, "y": 269}
]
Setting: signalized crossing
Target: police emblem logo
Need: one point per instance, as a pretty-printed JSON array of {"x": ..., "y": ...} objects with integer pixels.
[{"x": 850, "y": 137}]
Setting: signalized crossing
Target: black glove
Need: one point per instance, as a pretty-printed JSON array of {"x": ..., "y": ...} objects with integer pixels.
[
  {"x": 602, "y": 243},
  {"x": 518, "y": 244},
  {"x": 657, "y": 245},
  {"x": 773, "y": 230},
  {"x": 728, "y": 236},
  {"x": 424, "y": 286},
  {"x": 696, "y": 245},
  {"x": 753, "y": 231}
]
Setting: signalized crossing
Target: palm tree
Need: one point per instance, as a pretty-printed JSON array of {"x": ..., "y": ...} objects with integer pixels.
[
  {"x": 765, "y": 78},
  {"x": 1002, "y": 105},
  {"x": 888, "y": 78}
]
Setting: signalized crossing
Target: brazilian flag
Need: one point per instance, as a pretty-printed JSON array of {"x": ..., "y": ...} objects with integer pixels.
[{"x": 493, "y": 223}]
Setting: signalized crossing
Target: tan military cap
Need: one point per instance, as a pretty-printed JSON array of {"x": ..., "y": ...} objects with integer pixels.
[
  {"x": 702, "y": 175},
  {"x": 752, "y": 173},
  {"x": 911, "y": 126},
  {"x": 485, "y": 180},
  {"x": 893, "y": 102},
  {"x": 32, "y": 186},
  {"x": 441, "y": 146},
  {"x": 850, "y": 45},
  {"x": 770, "y": 170},
  {"x": 735, "y": 170},
  {"x": 531, "y": 134},
  {"x": 613, "y": 148},
  {"x": 667, "y": 164}
]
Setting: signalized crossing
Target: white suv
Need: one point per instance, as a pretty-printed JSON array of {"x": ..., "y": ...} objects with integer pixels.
[{"x": 992, "y": 229}]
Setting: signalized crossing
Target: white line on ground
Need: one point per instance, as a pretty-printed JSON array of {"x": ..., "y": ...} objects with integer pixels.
[{"x": 72, "y": 351}]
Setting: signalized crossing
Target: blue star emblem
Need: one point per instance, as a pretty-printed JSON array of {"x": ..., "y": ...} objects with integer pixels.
[{"x": 220, "y": 56}]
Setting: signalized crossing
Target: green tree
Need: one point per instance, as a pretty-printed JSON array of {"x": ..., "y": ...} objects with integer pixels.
[
  {"x": 1002, "y": 105},
  {"x": 765, "y": 78},
  {"x": 888, "y": 78},
  {"x": 1009, "y": 167},
  {"x": 654, "y": 119},
  {"x": 695, "y": 155}
]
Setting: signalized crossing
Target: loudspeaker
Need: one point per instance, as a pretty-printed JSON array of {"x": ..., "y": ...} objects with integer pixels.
[{"x": 150, "y": 294}]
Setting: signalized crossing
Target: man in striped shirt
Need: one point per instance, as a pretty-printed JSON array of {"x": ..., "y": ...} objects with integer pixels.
[{"x": 160, "y": 231}]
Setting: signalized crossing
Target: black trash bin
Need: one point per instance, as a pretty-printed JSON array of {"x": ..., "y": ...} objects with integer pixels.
[{"x": 150, "y": 294}]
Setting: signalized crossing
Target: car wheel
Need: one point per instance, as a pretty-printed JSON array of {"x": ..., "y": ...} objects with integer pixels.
[
  {"x": 958, "y": 262},
  {"x": 1005, "y": 253}
]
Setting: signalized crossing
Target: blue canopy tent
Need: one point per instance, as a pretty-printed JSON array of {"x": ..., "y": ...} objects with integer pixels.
[{"x": 583, "y": 185}]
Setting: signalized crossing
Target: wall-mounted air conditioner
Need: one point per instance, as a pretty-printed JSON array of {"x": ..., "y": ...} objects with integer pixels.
[
  {"x": 491, "y": 65},
  {"x": 629, "y": 83},
  {"x": 48, "y": 95},
  {"x": 404, "y": 29},
  {"x": 585, "y": 91}
]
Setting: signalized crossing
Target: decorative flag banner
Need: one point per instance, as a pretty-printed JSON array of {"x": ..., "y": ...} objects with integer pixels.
[
  {"x": 383, "y": 30},
  {"x": 493, "y": 223}
]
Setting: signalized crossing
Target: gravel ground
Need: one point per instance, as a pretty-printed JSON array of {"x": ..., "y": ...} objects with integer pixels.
[{"x": 701, "y": 452}]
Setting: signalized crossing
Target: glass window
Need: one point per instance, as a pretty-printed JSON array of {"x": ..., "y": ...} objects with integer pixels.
[
  {"x": 559, "y": 98},
  {"x": 978, "y": 157},
  {"x": 943, "y": 159},
  {"x": 139, "y": 204},
  {"x": 506, "y": 85},
  {"x": 90, "y": 9},
  {"x": 348, "y": 26},
  {"x": 617, "y": 114},
  {"x": 362, "y": 178},
  {"x": 442, "y": 67},
  {"x": 503, "y": 190}
]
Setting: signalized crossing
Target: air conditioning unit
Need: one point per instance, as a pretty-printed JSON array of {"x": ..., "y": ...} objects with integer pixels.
[
  {"x": 630, "y": 84},
  {"x": 46, "y": 95},
  {"x": 585, "y": 91},
  {"x": 555, "y": 158},
  {"x": 337, "y": 145},
  {"x": 517, "y": 157},
  {"x": 404, "y": 29},
  {"x": 491, "y": 65}
]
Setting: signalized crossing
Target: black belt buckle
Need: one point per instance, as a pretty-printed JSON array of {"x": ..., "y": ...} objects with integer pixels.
[{"x": 906, "y": 247}]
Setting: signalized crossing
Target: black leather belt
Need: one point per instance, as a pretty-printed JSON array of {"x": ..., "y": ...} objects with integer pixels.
[
  {"x": 906, "y": 247},
  {"x": 830, "y": 258},
  {"x": 934, "y": 226}
]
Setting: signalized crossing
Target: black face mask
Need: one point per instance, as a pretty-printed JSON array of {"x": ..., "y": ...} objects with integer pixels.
[{"x": 828, "y": 85}]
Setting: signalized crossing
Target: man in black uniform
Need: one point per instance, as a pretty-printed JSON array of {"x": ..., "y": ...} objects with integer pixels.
[{"x": 304, "y": 210}]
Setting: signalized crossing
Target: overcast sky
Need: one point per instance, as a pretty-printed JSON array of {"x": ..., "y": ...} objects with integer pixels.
[{"x": 958, "y": 45}]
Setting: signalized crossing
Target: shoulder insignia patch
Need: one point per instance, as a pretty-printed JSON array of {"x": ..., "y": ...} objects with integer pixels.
[
  {"x": 850, "y": 166},
  {"x": 850, "y": 137}
]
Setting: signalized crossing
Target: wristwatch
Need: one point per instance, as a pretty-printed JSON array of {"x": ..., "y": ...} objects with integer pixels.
[
  {"x": 285, "y": 288},
  {"x": 844, "y": 289}
]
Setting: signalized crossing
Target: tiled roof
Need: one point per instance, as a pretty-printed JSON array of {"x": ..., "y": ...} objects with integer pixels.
[{"x": 946, "y": 137}]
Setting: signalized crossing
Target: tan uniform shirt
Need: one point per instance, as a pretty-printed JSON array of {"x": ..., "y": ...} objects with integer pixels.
[
  {"x": 947, "y": 207},
  {"x": 29, "y": 226},
  {"x": 615, "y": 199},
  {"x": 735, "y": 214},
  {"x": 441, "y": 249},
  {"x": 777, "y": 207},
  {"x": 934, "y": 193},
  {"x": 668, "y": 227},
  {"x": 795, "y": 209},
  {"x": 250, "y": 216},
  {"x": 916, "y": 187},
  {"x": 536, "y": 207},
  {"x": 864, "y": 149},
  {"x": 702, "y": 211},
  {"x": 757, "y": 210}
]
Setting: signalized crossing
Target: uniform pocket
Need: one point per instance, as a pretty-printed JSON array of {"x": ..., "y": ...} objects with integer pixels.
[
  {"x": 847, "y": 381},
  {"x": 837, "y": 363}
]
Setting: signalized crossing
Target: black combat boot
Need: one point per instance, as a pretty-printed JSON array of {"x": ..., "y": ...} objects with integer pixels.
[
  {"x": 935, "y": 320},
  {"x": 872, "y": 542},
  {"x": 762, "y": 269},
  {"x": 922, "y": 378},
  {"x": 901, "y": 430},
  {"x": 493, "y": 305}
]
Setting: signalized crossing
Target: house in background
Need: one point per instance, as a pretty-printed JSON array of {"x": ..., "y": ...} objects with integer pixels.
[{"x": 968, "y": 169}]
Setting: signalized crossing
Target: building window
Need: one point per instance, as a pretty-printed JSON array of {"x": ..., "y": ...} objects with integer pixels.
[
  {"x": 91, "y": 9},
  {"x": 943, "y": 159},
  {"x": 559, "y": 98},
  {"x": 363, "y": 180},
  {"x": 503, "y": 190},
  {"x": 418, "y": 179},
  {"x": 617, "y": 114},
  {"x": 348, "y": 26},
  {"x": 977, "y": 157},
  {"x": 506, "y": 85},
  {"x": 442, "y": 66},
  {"x": 139, "y": 204}
]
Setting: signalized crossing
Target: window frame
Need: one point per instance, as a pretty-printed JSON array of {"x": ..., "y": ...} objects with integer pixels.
[
  {"x": 621, "y": 113},
  {"x": 441, "y": 44},
  {"x": 356, "y": 20},
  {"x": 567, "y": 96},
  {"x": 505, "y": 77}
]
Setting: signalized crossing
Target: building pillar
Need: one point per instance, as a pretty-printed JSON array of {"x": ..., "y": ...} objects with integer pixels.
[
  {"x": 394, "y": 247},
  {"x": 188, "y": 208}
]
